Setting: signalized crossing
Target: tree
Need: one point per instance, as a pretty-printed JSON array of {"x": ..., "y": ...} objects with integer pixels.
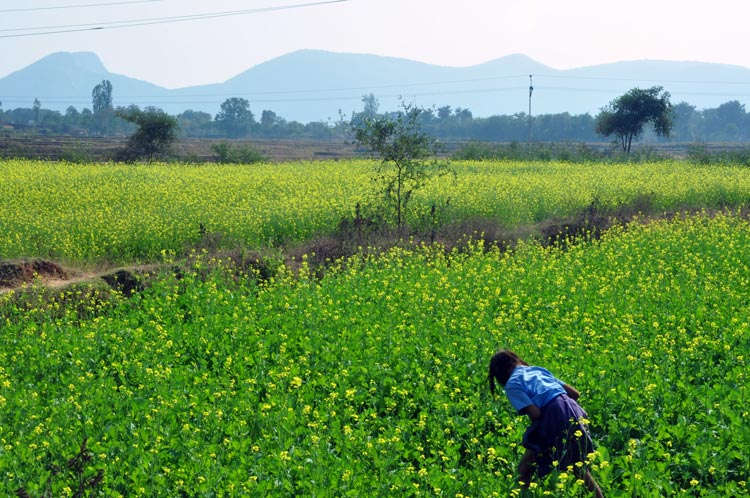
[
  {"x": 235, "y": 118},
  {"x": 268, "y": 119},
  {"x": 156, "y": 132},
  {"x": 101, "y": 97},
  {"x": 101, "y": 103},
  {"x": 686, "y": 122},
  {"x": 626, "y": 115},
  {"x": 444, "y": 112},
  {"x": 37, "y": 108},
  {"x": 371, "y": 105},
  {"x": 404, "y": 151},
  {"x": 195, "y": 123}
]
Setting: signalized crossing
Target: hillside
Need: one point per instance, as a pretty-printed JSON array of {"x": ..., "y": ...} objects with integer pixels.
[{"x": 310, "y": 85}]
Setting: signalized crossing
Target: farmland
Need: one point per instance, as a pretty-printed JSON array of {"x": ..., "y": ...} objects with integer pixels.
[
  {"x": 94, "y": 214},
  {"x": 368, "y": 379}
]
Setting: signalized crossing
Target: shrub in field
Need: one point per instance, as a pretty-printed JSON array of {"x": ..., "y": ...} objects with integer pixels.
[
  {"x": 154, "y": 137},
  {"x": 240, "y": 154},
  {"x": 404, "y": 150},
  {"x": 701, "y": 155},
  {"x": 571, "y": 153}
]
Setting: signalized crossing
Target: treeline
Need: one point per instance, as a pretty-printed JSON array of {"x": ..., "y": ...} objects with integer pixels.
[{"x": 727, "y": 123}]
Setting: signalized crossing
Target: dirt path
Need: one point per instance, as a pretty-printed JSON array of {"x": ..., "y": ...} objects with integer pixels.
[{"x": 20, "y": 275}]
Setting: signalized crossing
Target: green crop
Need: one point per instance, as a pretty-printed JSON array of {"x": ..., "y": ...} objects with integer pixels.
[
  {"x": 106, "y": 213},
  {"x": 371, "y": 380}
]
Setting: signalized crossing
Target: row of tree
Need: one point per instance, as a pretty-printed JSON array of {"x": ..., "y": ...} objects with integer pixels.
[{"x": 728, "y": 122}]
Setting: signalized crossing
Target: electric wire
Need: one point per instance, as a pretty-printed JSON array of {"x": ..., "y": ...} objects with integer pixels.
[
  {"x": 122, "y": 100},
  {"x": 311, "y": 90},
  {"x": 76, "y": 28},
  {"x": 77, "y": 6},
  {"x": 311, "y": 99},
  {"x": 417, "y": 84}
]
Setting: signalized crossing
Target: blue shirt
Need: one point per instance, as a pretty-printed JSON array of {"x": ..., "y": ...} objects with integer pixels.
[{"x": 532, "y": 385}]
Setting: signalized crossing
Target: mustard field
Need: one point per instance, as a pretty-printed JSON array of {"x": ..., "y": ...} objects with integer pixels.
[
  {"x": 106, "y": 213},
  {"x": 369, "y": 378},
  {"x": 370, "y": 381}
]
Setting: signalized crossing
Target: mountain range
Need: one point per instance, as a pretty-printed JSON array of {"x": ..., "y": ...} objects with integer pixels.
[{"x": 314, "y": 85}]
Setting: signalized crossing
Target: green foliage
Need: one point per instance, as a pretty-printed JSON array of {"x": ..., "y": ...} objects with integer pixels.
[
  {"x": 235, "y": 118},
  {"x": 73, "y": 476},
  {"x": 699, "y": 154},
  {"x": 571, "y": 153},
  {"x": 154, "y": 137},
  {"x": 290, "y": 203},
  {"x": 404, "y": 150},
  {"x": 101, "y": 100},
  {"x": 101, "y": 97},
  {"x": 626, "y": 116},
  {"x": 370, "y": 381},
  {"x": 225, "y": 153},
  {"x": 76, "y": 154}
]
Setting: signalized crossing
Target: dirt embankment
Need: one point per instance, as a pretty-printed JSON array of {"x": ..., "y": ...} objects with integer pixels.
[
  {"x": 16, "y": 273},
  {"x": 352, "y": 237}
]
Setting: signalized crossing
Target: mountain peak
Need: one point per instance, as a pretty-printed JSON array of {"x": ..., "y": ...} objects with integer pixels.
[
  {"x": 522, "y": 62},
  {"x": 82, "y": 61}
]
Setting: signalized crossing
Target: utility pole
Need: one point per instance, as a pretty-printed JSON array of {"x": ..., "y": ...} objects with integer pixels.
[{"x": 531, "y": 91}]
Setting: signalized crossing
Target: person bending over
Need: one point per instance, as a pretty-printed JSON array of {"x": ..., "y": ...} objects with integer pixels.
[{"x": 558, "y": 435}]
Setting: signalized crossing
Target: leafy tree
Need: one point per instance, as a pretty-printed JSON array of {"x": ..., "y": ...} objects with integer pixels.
[
  {"x": 444, "y": 112},
  {"x": 626, "y": 116},
  {"x": 101, "y": 102},
  {"x": 235, "y": 117},
  {"x": 101, "y": 96},
  {"x": 371, "y": 105},
  {"x": 268, "y": 120},
  {"x": 195, "y": 123},
  {"x": 686, "y": 121},
  {"x": 156, "y": 132},
  {"x": 404, "y": 151}
]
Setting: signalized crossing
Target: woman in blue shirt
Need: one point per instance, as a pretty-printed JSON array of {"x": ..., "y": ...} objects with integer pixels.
[{"x": 558, "y": 432}]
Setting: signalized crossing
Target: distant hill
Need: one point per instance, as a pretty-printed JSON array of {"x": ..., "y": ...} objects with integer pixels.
[{"x": 310, "y": 85}]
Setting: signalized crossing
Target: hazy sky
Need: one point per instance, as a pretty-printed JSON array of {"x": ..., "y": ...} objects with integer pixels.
[{"x": 561, "y": 34}]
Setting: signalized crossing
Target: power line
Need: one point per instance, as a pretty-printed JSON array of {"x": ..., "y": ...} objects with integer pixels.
[
  {"x": 612, "y": 78},
  {"x": 603, "y": 90},
  {"x": 74, "y": 28},
  {"x": 78, "y": 6},
  {"x": 311, "y": 99},
  {"x": 73, "y": 100},
  {"x": 311, "y": 90}
]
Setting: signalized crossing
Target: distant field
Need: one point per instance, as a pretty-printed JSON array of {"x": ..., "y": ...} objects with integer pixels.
[
  {"x": 370, "y": 381},
  {"x": 93, "y": 213},
  {"x": 42, "y": 147},
  {"x": 197, "y": 149}
]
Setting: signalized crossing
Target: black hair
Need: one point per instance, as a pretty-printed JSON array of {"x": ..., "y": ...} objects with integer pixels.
[{"x": 501, "y": 366}]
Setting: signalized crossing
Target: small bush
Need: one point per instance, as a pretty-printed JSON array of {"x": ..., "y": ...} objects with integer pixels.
[
  {"x": 568, "y": 152},
  {"x": 699, "y": 154},
  {"x": 241, "y": 154},
  {"x": 76, "y": 154}
]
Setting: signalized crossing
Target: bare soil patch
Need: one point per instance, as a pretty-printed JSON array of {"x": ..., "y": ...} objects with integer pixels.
[{"x": 16, "y": 273}]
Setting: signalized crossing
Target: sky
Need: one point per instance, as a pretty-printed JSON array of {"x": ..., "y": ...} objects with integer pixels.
[{"x": 561, "y": 34}]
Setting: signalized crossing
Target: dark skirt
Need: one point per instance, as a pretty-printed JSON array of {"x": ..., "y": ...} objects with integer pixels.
[{"x": 553, "y": 436}]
